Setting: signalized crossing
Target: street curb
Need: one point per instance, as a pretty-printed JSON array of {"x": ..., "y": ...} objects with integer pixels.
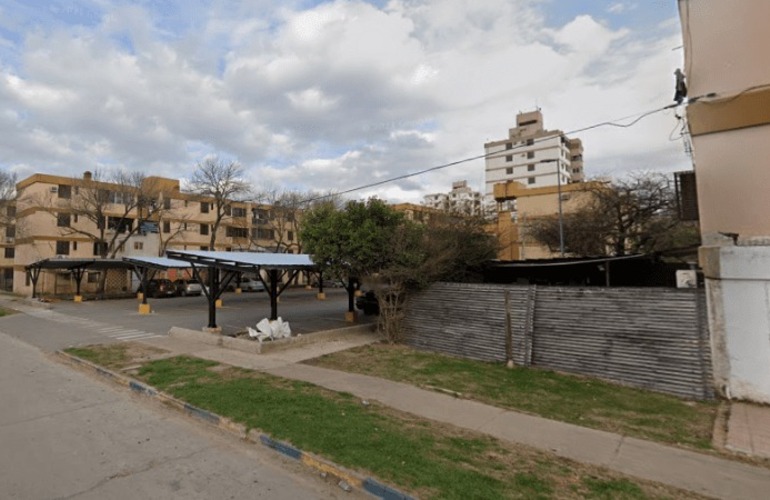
[{"x": 344, "y": 478}]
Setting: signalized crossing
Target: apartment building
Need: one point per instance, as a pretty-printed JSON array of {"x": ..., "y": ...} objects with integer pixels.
[
  {"x": 728, "y": 80},
  {"x": 84, "y": 217},
  {"x": 460, "y": 200},
  {"x": 533, "y": 156},
  {"x": 532, "y": 204}
]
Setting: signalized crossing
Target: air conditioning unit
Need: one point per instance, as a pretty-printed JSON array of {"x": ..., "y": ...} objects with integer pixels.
[
  {"x": 54, "y": 189},
  {"x": 9, "y": 239}
]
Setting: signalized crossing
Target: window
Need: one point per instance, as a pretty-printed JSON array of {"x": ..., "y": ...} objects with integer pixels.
[
  {"x": 530, "y": 142},
  {"x": 204, "y": 248},
  {"x": 228, "y": 210},
  {"x": 261, "y": 216},
  {"x": 204, "y": 229},
  {"x": 531, "y": 154},
  {"x": 239, "y": 212},
  {"x": 10, "y": 252},
  {"x": 265, "y": 234},
  {"x": 75, "y": 218},
  {"x": 62, "y": 248},
  {"x": 508, "y": 145},
  {"x": 531, "y": 167},
  {"x": 10, "y": 210},
  {"x": 74, "y": 245},
  {"x": 508, "y": 157},
  {"x": 63, "y": 220},
  {"x": 10, "y": 231},
  {"x": 236, "y": 232},
  {"x": 93, "y": 277},
  {"x": 509, "y": 171},
  {"x": 167, "y": 203},
  {"x": 64, "y": 191},
  {"x": 120, "y": 197},
  {"x": 204, "y": 208},
  {"x": 138, "y": 245},
  {"x": 100, "y": 248},
  {"x": 166, "y": 226},
  {"x": 530, "y": 180},
  {"x": 184, "y": 226},
  {"x": 290, "y": 235},
  {"x": 119, "y": 224}
]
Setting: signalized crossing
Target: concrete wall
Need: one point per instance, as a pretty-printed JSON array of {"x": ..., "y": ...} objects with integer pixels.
[{"x": 727, "y": 71}]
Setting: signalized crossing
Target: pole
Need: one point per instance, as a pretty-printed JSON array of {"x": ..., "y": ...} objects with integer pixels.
[{"x": 561, "y": 216}]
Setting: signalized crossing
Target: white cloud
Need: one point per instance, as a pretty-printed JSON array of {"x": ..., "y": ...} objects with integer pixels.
[{"x": 329, "y": 97}]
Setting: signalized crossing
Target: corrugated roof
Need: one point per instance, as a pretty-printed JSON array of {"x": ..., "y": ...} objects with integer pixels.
[
  {"x": 157, "y": 262},
  {"x": 246, "y": 259}
]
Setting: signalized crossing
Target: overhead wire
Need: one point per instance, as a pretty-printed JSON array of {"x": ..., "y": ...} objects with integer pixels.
[{"x": 613, "y": 123}]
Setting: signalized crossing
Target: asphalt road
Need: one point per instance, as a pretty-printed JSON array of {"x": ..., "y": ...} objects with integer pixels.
[
  {"x": 67, "y": 324},
  {"x": 65, "y": 435}
]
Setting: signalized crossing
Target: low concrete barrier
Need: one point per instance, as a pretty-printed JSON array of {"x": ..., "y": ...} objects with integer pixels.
[{"x": 256, "y": 347}]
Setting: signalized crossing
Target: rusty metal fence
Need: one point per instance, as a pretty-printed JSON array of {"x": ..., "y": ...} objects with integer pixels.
[{"x": 652, "y": 338}]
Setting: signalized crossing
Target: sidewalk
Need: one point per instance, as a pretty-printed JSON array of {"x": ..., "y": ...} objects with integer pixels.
[{"x": 704, "y": 474}]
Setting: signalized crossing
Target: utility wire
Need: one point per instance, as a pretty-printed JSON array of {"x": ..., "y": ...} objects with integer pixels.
[{"x": 613, "y": 123}]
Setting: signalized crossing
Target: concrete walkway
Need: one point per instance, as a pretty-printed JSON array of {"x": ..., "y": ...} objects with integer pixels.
[{"x": 701, "y": 473}]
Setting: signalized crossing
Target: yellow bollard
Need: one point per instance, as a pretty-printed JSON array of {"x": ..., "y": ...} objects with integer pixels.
[
  {"x": 78, "y": 298},
  {"x": 218, "y": 304},
  {"x": 321, "y": 296},
  {"x": 145, "y": 309}
]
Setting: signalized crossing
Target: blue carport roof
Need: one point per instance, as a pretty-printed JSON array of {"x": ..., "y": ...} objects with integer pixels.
[
  {"x": 244, "y": 260},
  {"x": 162, "y": 263}
]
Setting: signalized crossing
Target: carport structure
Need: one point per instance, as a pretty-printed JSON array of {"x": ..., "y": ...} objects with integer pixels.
[
  {"x": 145, "y": 268},
  {"x": 77, "y": 267},
  {"x": 280, "y": 269}
]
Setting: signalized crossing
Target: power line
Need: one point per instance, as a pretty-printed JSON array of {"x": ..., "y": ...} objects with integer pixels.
[{"x": 613, "y": 123}]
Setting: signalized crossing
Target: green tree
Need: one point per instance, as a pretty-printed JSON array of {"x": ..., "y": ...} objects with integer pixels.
[{"x": 370, "y": 240}]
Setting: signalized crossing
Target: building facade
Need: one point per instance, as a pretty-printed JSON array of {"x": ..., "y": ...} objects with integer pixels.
[
  {"x": 84, "y": 217},
  {"x": 461, "y": 200},
  {"x": 533, "y": 204},
  {"x": 533, "y": 156},
  {"x": 728, "y": 115}
]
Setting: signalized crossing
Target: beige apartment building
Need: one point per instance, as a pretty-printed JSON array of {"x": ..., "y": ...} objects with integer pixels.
[
  {"x": 57, "y": 216},
  {"x": 533, "y": 204},
  {"x": 533, "y": 156},
  {"x": 728, "y": 114}
]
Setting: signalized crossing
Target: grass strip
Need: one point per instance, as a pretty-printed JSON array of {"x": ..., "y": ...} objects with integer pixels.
[
  {"x": 429, "y": 459},
  {"x": 568, "y": 398}
]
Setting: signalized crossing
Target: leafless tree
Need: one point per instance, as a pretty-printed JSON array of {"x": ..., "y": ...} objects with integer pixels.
[
  {"x": 221, "y": 182},
  {"x": 635, "y": 214},
  {"x": 111, "y": 204}
]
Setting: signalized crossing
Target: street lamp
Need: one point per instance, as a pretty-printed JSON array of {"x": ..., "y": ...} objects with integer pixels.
[{"x": 558, "y": 190}]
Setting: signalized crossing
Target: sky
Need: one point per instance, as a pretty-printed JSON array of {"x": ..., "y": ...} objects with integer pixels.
[{"x": 331, "y": 95}]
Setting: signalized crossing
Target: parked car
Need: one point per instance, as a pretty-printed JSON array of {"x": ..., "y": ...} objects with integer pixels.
[
  {"x": 158, "y": 288},
  {"x": 188, "y": 287},
  {"x": 368, "y": 303},
  {"x": 247, "y": 285},
  {"x": 252, "y": 285}
]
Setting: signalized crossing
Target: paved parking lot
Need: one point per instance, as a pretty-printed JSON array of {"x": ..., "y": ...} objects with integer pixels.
[{"x": 68, "y": 323}]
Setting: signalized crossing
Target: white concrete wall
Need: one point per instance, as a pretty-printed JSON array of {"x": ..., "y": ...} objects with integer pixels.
[{"x": 738, "y": 291}]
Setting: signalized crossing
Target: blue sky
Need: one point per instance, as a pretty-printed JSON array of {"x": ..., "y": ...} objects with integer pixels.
[{"x": 329, "y": 95}]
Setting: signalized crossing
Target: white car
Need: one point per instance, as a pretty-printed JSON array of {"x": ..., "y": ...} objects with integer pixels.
[{"x": 252, "y": 285}]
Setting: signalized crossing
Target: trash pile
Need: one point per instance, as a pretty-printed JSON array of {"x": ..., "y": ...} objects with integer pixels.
[{"x": 270, "y": 330}]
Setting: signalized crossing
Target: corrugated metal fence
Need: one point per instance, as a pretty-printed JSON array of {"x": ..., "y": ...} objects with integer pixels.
[{"x": 654, "y": 338}]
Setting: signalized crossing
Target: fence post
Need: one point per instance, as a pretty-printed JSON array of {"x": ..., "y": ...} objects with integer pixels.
[
  {"x": 529, "y": 326},
  {"x": 508, "y": 332}
]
